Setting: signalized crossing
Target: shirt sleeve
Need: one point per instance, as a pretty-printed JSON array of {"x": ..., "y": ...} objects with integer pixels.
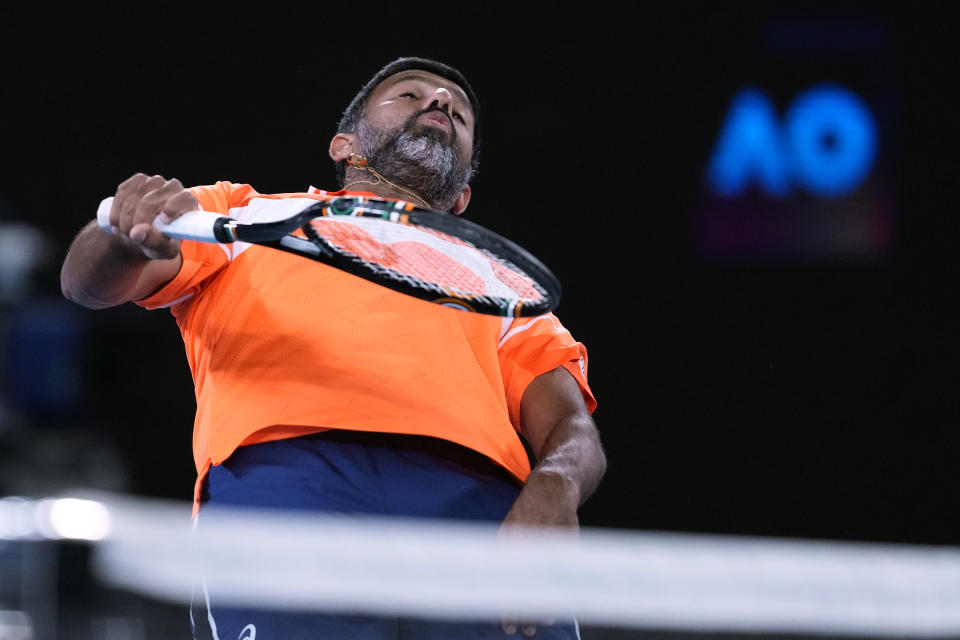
[
  {"x": 202, "y": 261},
  {"x": 533, "y": 346}
]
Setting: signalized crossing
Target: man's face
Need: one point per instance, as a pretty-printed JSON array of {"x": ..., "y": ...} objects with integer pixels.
[
  {"x": 418, "y": 128},
  {"x": 426, "y": 104}
]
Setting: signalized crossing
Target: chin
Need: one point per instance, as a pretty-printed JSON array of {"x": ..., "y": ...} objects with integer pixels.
[{"x": 433, "y": 133}]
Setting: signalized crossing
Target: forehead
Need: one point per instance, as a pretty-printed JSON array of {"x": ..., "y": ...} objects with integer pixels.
[{"x": 426, "y": 77}]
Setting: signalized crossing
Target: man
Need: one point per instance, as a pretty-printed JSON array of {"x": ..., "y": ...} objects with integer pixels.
[{"x": 320, "y": 391}]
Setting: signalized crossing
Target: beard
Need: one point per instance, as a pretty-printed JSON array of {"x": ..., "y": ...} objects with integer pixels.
[{"x": 422, "y": 159}]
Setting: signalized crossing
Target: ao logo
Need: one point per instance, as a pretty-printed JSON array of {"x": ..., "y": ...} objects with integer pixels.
[{"x": 826, "y": 144}]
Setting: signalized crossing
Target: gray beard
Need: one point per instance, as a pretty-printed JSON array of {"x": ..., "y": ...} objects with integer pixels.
[{"x": 422, "y": 161}]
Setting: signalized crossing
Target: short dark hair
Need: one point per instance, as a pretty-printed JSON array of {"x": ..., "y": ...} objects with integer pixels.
[{"x": 354, "y": 111}]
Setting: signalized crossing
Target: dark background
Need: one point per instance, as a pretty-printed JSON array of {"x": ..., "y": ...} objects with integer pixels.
[{"x": 801, "y": 396}]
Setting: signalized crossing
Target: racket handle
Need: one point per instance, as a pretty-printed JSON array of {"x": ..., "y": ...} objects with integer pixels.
[{"x": 192, "y": 225}]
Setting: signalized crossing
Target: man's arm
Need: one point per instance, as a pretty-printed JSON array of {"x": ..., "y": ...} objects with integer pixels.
[
  {"x": 566, "y": 444},
  {"x": 103, "y": 270}
]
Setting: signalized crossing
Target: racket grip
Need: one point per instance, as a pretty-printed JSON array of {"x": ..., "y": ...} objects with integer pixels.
[{"x": 192, "y": 225}]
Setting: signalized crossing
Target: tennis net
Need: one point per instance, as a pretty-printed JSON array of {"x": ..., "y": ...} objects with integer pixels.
[{"x": 612, "y": 579}]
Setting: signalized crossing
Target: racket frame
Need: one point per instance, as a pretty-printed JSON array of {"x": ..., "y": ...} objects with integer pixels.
[{"x": 205, "y": 226}]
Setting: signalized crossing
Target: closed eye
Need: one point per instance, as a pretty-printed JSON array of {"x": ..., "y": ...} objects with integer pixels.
[{"x": 413, "y": 96}]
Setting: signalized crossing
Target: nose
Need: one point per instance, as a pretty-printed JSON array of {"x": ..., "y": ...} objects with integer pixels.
[{"x": 442, "y": 98}]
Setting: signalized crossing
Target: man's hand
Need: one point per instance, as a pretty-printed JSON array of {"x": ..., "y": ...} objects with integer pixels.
[
  {"x": 103, "y": 270},
  {"x": 138, "y": 201},
  {"x": 547, "y": 500}
]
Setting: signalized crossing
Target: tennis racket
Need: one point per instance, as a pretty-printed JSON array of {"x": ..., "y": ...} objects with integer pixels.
[{"x": 434, "y": 256}]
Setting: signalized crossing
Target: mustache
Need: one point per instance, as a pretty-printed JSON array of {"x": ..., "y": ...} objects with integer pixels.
[{"x": 412, "y": 121}]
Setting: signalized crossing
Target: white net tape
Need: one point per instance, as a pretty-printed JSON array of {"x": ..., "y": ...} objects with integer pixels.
[{"x": 633, "y": 579}]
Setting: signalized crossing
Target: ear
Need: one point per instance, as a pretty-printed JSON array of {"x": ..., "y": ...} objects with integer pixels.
[
  {"x": 342, "y": 145},
  {"x": 460, "y": 205}
]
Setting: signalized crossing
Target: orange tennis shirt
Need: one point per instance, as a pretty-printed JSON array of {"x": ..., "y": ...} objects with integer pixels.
[{"x": 281, "y": 346}]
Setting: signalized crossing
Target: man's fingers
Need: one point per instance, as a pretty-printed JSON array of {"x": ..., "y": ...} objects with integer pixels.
[
  {"x": 169, "y": 197},
  {"x": 122, "y": 213},
  {"x": 131, "y": 185},
  {"x": 154, "y": 244},
  {"x": 180, "y": 203},
  {"x": 170, "y": 200},
  {"x": 527, "y": 629},
  {"x": 131, "y": 181},
  {"x": 147, "y": 236},
  {"x": 140, "y": 199},
  {"x": 140, "y": 232},
  {"x": 148, "y": 208},
  {"x": 166, "y": 189},
  {"x": 153, "y": 182},
  {"x": 128, "y": 197}
]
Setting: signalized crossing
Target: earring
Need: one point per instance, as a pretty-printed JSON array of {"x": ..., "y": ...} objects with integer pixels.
[{"x": 356, "y": 160}]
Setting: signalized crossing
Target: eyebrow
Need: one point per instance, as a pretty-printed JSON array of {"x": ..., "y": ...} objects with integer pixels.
[{"x": 430, "y": 79}]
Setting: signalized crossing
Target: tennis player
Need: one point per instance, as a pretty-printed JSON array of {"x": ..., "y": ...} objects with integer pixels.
[{"x": 319, "y": 391}]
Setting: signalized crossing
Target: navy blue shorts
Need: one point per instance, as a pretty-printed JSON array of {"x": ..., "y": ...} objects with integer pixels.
[{"x": 357, "y": 473}]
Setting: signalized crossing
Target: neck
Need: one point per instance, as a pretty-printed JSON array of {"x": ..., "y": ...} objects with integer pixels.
[{"x": 381, "y": 185}]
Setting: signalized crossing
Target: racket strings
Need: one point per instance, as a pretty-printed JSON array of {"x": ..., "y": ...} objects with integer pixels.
[{"x": 425, "y": 258}]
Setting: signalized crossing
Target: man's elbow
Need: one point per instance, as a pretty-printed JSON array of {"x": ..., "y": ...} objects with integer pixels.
[{"x": 73, "y": 292}]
